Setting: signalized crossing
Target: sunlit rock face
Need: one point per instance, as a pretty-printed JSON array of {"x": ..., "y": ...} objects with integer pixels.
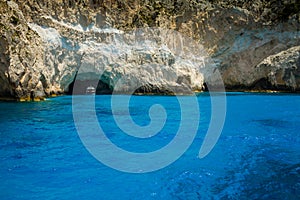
[
  {"x": 46, "y": 45},
  {"x": 281, "y": 71},
  {"x": 140, "y": 61},
  {"x": 21, "y": 55}
]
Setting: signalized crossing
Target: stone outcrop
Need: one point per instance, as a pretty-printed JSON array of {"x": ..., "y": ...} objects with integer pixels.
[
  {"x": 280, "y": 71},
  {"x": 21, "y": 55},
  {"x": 46, "y": 44},
  {"x": 127, "y": 63}
]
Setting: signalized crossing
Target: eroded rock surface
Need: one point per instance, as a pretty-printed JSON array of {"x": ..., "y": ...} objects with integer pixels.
[
  {"x": 45, "y": 44},
  {"x": 280, "y": 71}
]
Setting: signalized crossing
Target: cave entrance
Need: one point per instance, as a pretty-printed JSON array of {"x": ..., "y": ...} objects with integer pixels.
[
  {"x": 262, "y": 84},
  {"x": 81, "y": 86}
]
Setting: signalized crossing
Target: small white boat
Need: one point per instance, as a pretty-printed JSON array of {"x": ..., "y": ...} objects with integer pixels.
[{"x": 90, "y": 90}]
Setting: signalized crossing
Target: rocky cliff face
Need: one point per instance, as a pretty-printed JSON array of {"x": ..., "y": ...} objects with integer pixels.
[
  {"x": 46, "y": 44},
  {"x": 280, "y": 71}
]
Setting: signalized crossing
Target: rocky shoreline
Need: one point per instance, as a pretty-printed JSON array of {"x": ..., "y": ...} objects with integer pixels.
[{"x": 46, "y": 45}]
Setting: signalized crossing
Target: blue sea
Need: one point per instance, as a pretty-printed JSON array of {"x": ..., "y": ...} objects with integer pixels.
[{"x": 257, "y": 155}]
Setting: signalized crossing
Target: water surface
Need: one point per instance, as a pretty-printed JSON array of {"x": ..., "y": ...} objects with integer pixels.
[{"x": 256, "y": 157}]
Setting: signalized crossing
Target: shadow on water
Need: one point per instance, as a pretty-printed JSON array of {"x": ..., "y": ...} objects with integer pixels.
[
  {"x": 272, "y": 123},
  {"x": 259, "y": 175}
]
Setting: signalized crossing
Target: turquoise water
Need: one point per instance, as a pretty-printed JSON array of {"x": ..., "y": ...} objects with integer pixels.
[{"x": 256, "y": 157}]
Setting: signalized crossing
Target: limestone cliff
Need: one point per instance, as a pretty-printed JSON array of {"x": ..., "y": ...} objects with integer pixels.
[
  {"x": 280, "y": 71},
  {"x": 45, "y": 44}
]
